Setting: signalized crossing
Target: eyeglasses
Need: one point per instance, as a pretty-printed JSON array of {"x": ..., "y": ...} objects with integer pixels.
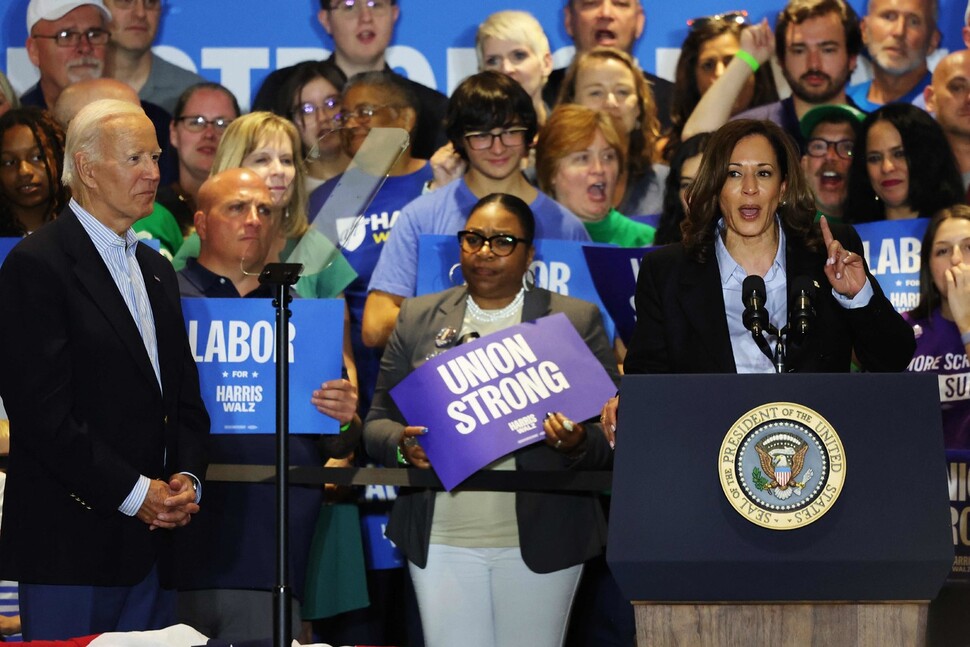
[
  {"x": 150, "y": 5},
  {"x": 362, "y": 112},
  {"x": 736, "y": 17},
  {"x": 350, "y": 7},
  {"x": 480, "y": 141},
  {"x": 307, "y": 109},
  {"x": 500, "y": 244},
  {"x": 818, "y": 147},
  {"x": 73, "y": 38},
  {"x": 198, "y": 123}
]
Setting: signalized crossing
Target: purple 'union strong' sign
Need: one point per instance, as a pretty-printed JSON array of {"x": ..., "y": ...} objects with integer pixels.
[{"x": 487, "y": 398}]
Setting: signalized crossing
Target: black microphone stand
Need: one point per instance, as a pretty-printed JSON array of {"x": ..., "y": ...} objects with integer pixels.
[{"x": 282, "y": 276}]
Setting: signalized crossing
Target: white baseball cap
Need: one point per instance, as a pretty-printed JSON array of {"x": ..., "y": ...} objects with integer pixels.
[{"x": 54, "y": 9}]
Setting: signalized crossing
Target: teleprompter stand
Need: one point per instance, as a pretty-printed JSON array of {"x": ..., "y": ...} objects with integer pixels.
[
  {"x": 282, "y": 276},
  {"x": 699, "y": 572}
]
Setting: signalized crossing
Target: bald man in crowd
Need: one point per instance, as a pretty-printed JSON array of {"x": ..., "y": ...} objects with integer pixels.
[
  {"x": 228, "y": 594},
  {"x": 948, "y": 99}
]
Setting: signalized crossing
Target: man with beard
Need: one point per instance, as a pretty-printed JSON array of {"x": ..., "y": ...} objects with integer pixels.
[
  {"x": 948, "y": 98},
  {"x": 66, "y": 40},
  {"x": 899, "y": 35},
  {"x": 830, "y": 132},
  {"x": 610, "y": 23},
  {"x": 818, "y": 44}
]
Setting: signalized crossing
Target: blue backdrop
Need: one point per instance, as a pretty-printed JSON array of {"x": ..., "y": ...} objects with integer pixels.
[{"x": 238, "y": 42}]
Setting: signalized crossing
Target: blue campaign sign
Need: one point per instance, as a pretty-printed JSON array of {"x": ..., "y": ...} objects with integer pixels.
[
  {"x": 958, "y": 478},
  {"x": 892, "y": 249},
  {"x": 238, "y": 43},
  {"x": 6, "y": 244},
  {"x": 559, "y": 266},
  {"x": 233, "y": 343},
  {"x": 614, "y": 271}
]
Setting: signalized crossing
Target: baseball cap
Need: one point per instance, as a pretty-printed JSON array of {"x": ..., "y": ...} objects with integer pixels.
[
  {"x": 821, "y": 113},
  {"x": 54, "y": 9}
]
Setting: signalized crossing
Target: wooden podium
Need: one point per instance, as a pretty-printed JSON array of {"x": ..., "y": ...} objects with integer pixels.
[{"x": 701, "y": 572}]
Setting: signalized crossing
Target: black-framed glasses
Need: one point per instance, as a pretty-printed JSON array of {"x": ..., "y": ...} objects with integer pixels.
[
  {"x": 818, "y": 147},
  {"x": 500, "y": 244},
  {"x": 150, "y": 5},
  {"x": 309, "y": 109},
  {"x": 66, "y": 38},
  {"x": 737, "y": 17},
  {"x": 198, "y": 123},
  {"x": 349, "y": 7},
  {"x": 479, "y": 141},
  {"x": 362, "y": 112}
]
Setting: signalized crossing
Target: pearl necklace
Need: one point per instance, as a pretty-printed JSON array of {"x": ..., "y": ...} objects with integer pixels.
[{"x": 491, "y": 316}]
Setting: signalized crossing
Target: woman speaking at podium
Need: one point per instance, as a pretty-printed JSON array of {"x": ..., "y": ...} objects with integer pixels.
[{"x": 752, "y": 214}]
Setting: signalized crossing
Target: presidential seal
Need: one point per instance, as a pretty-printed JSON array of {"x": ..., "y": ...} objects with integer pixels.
[{"x": 782, "y": 466}]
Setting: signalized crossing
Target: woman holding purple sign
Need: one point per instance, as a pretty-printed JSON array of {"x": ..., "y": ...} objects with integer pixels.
[{"x": 491, "y": 568}]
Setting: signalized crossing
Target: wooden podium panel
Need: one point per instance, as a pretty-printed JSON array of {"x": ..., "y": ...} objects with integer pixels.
[{"x": 896, "y": 624}]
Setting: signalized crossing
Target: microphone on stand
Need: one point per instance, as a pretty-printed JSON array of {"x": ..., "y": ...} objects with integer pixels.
[
  {"x": 802, "y": 303},
  {"x": 755, "y": 315}
]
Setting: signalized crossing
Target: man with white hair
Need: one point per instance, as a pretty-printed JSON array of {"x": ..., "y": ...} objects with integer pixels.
[
  {"x": 66, "y": 40},
  {"x": 899, "y": 36},
  {"x": 107, "y": 426}
]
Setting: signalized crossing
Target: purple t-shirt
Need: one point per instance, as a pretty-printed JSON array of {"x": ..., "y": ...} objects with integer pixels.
[{"x": 939, "y": 350}]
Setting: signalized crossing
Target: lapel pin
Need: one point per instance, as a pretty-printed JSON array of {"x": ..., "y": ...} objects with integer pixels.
[{"x": 445, "y": 337}]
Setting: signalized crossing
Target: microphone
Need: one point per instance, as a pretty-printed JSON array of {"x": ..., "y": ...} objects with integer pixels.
[
  {"x": 754, "y": 295},
  {"x": 802, "y": 300}
]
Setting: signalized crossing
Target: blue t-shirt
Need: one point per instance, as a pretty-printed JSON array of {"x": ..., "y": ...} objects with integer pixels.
[
  {"x": 361, "y": 241},
  {"x": 445, "y": 212},
  {"x": 859, "y": 94}
]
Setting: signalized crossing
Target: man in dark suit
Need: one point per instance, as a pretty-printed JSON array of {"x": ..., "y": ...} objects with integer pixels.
[{"x": 108, "y": 430}]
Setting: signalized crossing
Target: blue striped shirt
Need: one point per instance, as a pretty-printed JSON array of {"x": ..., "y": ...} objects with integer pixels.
[{"x": 118, "y": 254}]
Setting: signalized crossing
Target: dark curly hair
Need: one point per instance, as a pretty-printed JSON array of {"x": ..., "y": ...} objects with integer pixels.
[
  {"x": 686, "y": 95},
  {"x": 673, "y": 215},
  {"x": 934, "y": 179},
  {"x": 796, "y": 206},
  {"x": 50, "y": 139}
]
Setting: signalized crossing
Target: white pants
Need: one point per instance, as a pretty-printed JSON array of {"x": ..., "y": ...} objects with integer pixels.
[{"x": 488, "y": 597}]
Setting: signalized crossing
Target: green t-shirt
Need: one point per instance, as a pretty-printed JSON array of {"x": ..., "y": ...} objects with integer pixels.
[
  {"x": 618, "y": 229},
  {"x": 161, "y": 225}
]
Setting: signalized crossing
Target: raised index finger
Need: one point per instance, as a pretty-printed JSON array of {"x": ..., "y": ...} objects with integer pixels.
[{"x": 827, "y": 237}]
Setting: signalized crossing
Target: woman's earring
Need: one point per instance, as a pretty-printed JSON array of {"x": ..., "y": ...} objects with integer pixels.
[
  {"x": 451, "y": 274},
  {"x": 528, "y": 280}
]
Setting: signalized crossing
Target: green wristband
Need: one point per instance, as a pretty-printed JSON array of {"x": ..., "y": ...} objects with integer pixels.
[
  {"x": 344, "y": 427},
  {"x": 401, "y": 460},
  {"x": 749, "y": 59}
]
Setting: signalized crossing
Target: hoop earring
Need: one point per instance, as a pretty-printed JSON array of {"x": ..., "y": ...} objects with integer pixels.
[
  {"x": 528, "y": 284},
  {"x": 451, "y": 274}
]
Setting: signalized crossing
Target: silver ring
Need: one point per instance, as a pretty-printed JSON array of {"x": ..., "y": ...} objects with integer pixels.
[
  {"x": 409, "y": 441},
  {"x": 558, "y": 444}
]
